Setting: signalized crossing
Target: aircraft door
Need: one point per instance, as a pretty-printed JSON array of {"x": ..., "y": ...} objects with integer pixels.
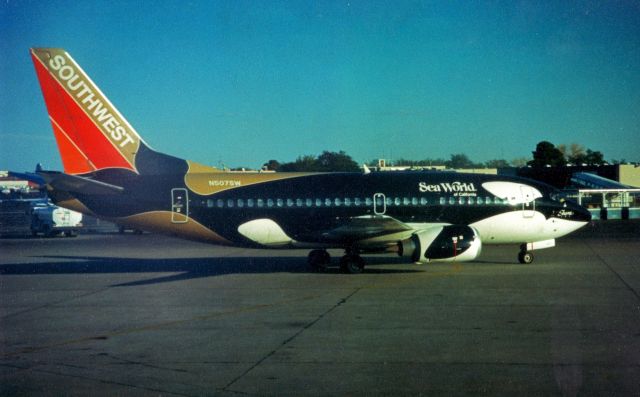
[
  {"x": 379, "y": 204},
  {"x": 179, "y": 205},
  {"x": 528, "y": 202}
]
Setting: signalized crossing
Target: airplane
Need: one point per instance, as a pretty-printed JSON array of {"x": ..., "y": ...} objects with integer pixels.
[{"x": 111, "y": 173}]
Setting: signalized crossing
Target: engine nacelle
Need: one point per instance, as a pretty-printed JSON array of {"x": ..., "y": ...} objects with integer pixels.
[{"x": 442, "y": 243}]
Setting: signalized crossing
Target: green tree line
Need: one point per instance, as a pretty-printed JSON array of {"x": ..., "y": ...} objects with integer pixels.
[{"x": 545, "y": 154}]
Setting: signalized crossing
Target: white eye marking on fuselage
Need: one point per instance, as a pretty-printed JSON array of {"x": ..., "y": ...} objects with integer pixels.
[{"x": 514, "y": 193}]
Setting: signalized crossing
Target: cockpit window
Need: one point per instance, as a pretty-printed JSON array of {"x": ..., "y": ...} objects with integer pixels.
[
  {"x": 558, "y": 196},
  {"x": 563, "y": 197}
]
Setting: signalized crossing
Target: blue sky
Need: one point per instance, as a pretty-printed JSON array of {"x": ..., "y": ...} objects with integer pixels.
[{"x": 244, "y": 82}]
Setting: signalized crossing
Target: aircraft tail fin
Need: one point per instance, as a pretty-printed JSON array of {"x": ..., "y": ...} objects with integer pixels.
[{"x": 90, "y": 132}]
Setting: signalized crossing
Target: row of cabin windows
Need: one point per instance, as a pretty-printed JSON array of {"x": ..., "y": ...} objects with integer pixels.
[{"x": 348, "y": 202}]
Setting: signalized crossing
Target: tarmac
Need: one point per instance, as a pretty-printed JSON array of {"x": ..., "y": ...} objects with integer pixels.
[{"x": 150, "y": 315}]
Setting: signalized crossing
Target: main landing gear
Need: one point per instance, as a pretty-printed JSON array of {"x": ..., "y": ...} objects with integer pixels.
[
  {"x": 319, "y": 260},
  {"x": 525, "y": 256},
  {"x": 350, "y": 263}
]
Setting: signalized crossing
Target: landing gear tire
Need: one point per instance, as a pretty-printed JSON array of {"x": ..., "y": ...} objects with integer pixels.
[
  {"x": 525, "y": 257},
  {"x": 352, "y": 264},
  {"x": 318, "y": 260}
]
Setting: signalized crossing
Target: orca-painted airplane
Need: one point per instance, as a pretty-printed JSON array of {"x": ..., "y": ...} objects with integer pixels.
[{"x": 111, "y": 173}]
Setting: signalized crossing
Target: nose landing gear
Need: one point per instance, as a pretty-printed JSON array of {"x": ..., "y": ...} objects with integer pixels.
[{"x": 525, "y": 256}]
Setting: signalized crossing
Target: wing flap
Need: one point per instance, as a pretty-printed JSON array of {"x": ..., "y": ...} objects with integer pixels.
[{"x": 366, "y": 227}]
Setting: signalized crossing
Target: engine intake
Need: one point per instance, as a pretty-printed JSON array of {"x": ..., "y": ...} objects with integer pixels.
[{"x": 442, "y": 243}]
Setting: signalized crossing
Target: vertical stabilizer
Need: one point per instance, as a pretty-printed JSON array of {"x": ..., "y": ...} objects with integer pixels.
[{"x": 91, "y": 134}]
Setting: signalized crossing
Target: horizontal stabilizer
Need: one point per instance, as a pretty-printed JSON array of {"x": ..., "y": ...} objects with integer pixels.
[
  {"x": 28, "y": 176},
  {"x": 78, "y": 184}
]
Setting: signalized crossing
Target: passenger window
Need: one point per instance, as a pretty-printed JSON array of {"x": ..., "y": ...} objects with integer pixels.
[
  {"x": 260, "y": 203},
  {"x": 270, "y": 202},
  {"x": 318, "y": 202},
  {"x": 289, "y": 203},
  {"x": 230, "y": 203},
  {"x": 389, "y": 201},
  {"x": 414, "y": 201},
  {"x": 397, "y": 201},
  {"x": 240, "y": 203},
  {"x": 461, "y": 200},
  {"x": 471, "y": 200},
  {"x": 220, "y": 203},
  {"x": 442, "y": 201},
  {"x": 250, "y": 203},
  {"x": 299, "y": 202},
  {"x": 452, "y": 200},
  {"x": 280, "y": 202},
  {"x": 308, "y": 202},
  {"x": 328, "y": 202},
  {"x": 209, "y": 203},
  {"x": 368, "y": 201},
  {"x": 479, "y": 200},
  {"x": 357, "y": 202},
  {"x": 347, "y": 202},
  {"x": 487, "y": 200},
  {"x": 406, "y": 201},
  {"x": 338, "y": 202},
  {"x": 423, "y": 201}
]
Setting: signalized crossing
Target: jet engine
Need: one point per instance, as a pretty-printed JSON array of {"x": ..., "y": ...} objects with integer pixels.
[{"x": 442, "y": 243}]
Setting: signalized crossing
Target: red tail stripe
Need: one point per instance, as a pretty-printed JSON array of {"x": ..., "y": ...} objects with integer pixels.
[
  {"x": 79, "y": 128},
  {"x": 73, "y": 160}
]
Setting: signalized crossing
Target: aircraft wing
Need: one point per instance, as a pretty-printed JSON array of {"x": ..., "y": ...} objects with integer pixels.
[
  {"x": 78, "y": 184},
  {"x": 368, "y": 227}
]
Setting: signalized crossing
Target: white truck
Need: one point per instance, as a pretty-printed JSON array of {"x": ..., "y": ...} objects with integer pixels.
[
  {"x": 37, "y": 216},
  {"x": 51, "y": 220}
]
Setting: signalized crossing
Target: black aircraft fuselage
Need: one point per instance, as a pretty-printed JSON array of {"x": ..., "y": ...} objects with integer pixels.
[{"x": 111, "y": 173}]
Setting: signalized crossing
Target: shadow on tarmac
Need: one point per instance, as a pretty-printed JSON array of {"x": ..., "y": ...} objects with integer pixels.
[{"x": 187, "y": 268}]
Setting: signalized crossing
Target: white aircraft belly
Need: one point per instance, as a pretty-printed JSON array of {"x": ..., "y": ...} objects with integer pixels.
[{"x": 511, "y": 227}]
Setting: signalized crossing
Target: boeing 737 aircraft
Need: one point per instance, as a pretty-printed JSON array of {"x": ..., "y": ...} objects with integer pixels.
[{"x": 111, "y": 173}]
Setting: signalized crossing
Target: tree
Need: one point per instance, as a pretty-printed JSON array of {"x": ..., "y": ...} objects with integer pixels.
[
  {"x": 333, "y": 162},
  {"x": 460, "y": 160},
  {"x": 497, "y": 163},
  {"x": 519, "y": 162},
  {"x": 326, "y": 162},
  {"x": 594, "y": 158},
  {"x": 546, "y": 154},
  {"x": 576, "y": 150},
  {"x": 419, "y": 163},
  {"x": 306, "y": 163},
  {"x": 563, "y": 149},
  {"x": 272, "y": 165},
  {"x": 577, "y": 154}
]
